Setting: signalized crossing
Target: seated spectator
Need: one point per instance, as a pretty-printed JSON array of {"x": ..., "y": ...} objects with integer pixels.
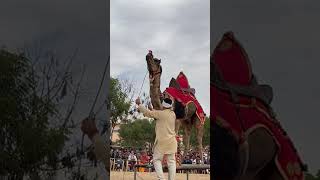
[
  {"x": 198, "y": 160},
  {"x": 187, "y": 160}
]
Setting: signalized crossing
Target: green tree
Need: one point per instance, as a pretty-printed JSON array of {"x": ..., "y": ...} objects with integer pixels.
[
  {"x": 33, "y": 129},
  {"x": 118, "y": 102},
  {"x": 309, "y": 176},
  {"x": 137, "y": 133},
  {"x": 27, "y": 141},
  {"x": 318, "y": 174}
]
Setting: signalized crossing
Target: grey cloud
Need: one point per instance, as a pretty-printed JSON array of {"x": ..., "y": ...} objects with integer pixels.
[{"x": 176, "y": 31}]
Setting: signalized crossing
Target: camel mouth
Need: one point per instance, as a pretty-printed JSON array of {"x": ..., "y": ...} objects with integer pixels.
[{"x": 157, "y": 61}]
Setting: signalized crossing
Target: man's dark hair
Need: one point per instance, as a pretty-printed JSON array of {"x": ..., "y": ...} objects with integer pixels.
[{"x": 168, "y": 100}]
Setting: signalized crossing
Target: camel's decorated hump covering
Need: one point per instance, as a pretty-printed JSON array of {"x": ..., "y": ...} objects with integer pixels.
[
  {"x": 185, "y": 97},
  {"x": 242, "y": 114}
]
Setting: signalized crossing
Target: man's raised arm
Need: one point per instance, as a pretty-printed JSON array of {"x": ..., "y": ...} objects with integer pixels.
[{"x": 146, "y": 112}]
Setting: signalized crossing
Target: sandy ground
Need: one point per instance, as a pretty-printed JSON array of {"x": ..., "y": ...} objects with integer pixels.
[{"x": 152, "y": 176}]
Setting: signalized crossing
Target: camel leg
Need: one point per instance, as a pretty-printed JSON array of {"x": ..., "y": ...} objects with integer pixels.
[
  {"x": 177, "y": 125},
  {"x": 187, "y": 134},
  {"x": 262, "y": 150},
  {"x": 190, "y": 113},
  {"x": 187, "y": 123},
  {"x": 199, "y": 134},
  {"x": 243, "y": 158},
  {"x": 270, "y": 172}
]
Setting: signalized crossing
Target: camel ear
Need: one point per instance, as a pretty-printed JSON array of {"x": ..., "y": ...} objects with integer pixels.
[{"x": 173, "y": 83}]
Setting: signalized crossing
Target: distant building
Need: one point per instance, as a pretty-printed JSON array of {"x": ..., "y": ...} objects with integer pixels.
[{"x": 115, "y": 134}]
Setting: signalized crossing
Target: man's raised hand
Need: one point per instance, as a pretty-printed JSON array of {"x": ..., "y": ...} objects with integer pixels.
[
  {"x": 138, "y": 101},
  {"x": 88, "y": 126}
]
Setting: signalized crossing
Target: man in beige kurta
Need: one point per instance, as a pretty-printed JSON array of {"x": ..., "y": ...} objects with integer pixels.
[
  {"x": 101, "y": 149},
  {"x": 165, "y": 142}
]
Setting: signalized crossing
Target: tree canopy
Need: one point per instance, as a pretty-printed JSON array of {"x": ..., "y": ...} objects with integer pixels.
[
  {"x": 138, "y": 133},
  {"x": 118, "y": 101},
  {"x": 310, "y": 176},
  {"x": 27, "y": 140}
]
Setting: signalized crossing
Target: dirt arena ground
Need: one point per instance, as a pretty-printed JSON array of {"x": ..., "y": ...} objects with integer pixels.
[{"x": 152, "y": 176}]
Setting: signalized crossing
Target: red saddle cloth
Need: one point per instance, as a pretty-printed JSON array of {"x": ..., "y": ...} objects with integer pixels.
[
  {"x": 245, "y": 114},
  {"x": 185, "y": 97}
]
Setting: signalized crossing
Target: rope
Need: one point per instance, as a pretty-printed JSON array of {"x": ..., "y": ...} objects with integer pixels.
[{"x": 142, "y": 83}]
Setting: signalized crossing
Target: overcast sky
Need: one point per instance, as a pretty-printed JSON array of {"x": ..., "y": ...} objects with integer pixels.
[
  {"x": 176, "y": 31},
  {"x": 282, "y": 40}
]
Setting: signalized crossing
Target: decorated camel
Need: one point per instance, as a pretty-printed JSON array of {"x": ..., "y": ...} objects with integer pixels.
[
  {"x": 248, "y": 141},
  {"x": 188, "y": 111}
]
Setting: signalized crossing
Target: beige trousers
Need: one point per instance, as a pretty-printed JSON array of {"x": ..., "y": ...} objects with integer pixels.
[{"x": 157, "y": 162}]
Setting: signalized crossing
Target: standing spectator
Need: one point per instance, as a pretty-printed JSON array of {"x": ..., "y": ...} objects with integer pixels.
[
  {"x": 132, "y": 160},
  {"x": 144, "y": 158},
  {"x": 111, "y": 153},
  {"x": 100, "y": 150}
]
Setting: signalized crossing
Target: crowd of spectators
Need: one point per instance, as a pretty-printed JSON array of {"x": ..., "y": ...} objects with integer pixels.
[
  {"x": 132, "y": 156},
  {"x": 126, "y": 158},
  {"x": 193, "y": 157}
]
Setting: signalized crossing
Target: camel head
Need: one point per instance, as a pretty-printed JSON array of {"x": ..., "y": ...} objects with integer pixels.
[
  {"x": 155, "y": 70},
  {"x": 153, "y": 65}
]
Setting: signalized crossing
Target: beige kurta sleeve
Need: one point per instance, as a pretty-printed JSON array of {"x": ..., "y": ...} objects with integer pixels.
[
  {"x": 146, "y": 112},
  {"x": 100, "y": 149}
]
